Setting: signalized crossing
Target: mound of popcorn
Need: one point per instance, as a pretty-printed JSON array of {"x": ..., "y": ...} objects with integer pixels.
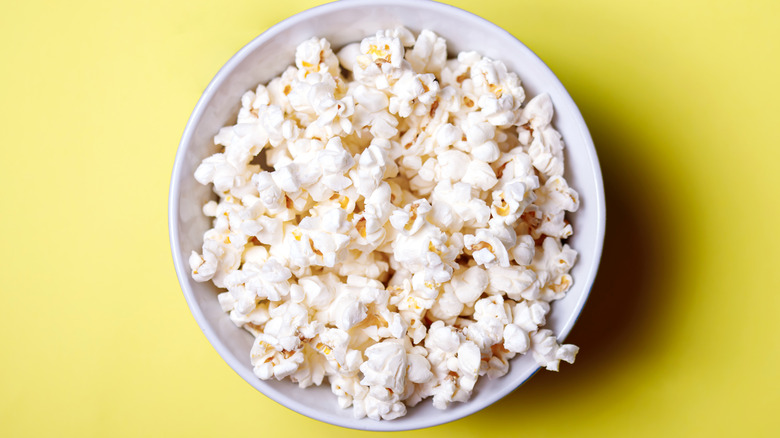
[{"x": 390, "y": 221}]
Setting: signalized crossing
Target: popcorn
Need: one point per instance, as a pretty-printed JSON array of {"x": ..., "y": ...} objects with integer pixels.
[
  {"x": 428, "y": 54},
  {"x": 455, "y": 207},
  {"x": 267, "y": 281},
  {"x": 491, "y": 318},
  {"x": 316, "y": 56},
  {"x": 516, "y": 282},
  {"x": 215, "y": 169},
  {"x": 548, "y": 353},
  {"x": 448, "y": 306},
  {"x": 404, "y": 235},
  {"x": 371, "y": 168},
  {"x": 384, "y": 373},
  {"x": 486, "y": 248},
  {"x": 480, "y": 175},
  {"x": 515, "y": 339},
  {"x": 452, "y": 165},
  {"x": 412, "y": 93},
  {"x": 469, "y": 284},
  {"x": 455, "y": 362},
  {"x": 383, "y": 48},
  {"x": 411, "y": 218},
  {"x": 203, "y": 266},
  {"x": 448, "y": 134}
]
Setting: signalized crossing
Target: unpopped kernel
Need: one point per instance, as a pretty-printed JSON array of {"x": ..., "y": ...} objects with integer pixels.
[{"x": 405, "y": 235}]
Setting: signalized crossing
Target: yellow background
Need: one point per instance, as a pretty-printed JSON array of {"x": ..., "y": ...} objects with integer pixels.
[{"x": 680, "y": 337}]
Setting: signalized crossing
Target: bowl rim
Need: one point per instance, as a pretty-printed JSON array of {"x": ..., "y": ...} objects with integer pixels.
[{"x": 174, "y": 196}]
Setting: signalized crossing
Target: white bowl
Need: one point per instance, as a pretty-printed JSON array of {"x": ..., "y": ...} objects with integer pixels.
[{"x": 342, "y": 22}]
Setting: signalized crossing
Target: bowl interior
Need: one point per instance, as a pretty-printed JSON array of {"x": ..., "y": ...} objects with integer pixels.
[{"x": 343, "y": 22}]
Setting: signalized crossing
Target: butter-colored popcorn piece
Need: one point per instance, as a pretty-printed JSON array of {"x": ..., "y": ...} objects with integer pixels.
[
  {"x": 383, "y": 47},
  {"x": 486, "y": 248},
  {"x": 411, "y": 218},
  {"x": 315, "y": 56}
]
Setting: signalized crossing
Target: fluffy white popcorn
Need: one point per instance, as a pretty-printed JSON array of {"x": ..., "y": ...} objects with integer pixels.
[
  {"x": 203, "y": 266},
  {"x": 428, "y": 54},
  {"x": 490, "y": 317},
  {"x": 555, "y": 197},
  {"x": 455, "y": 207},
  {"x": 217, "y": 170},
  {"x": 384, "y": 373},
  {"x": 528, "y": 314},
  {"x": 413, "y": 93},
  {"x": 455, "y": 362},
  {"x": 347, "y": 310},
  {"x": 404, "y": 234},
  {"x": 548, "y": 353},
  {"x": 487, "y": 249},
  {"x": 546, "y": 149},
  {"x": 411, "y": 218},
  {"x": 452, "y": 165},
  {"x": 371, "y": 167},
  {"x": 515, "y": 339},
  {"x": 516, "y": 282},
  {"x": 425, "y": 251},
  {"x": 480, "y": 175},
  {"x": 448, "y": 306},
  {"x": 469, "y": 284}
]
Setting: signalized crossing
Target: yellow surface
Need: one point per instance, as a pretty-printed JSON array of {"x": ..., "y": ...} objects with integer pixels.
[{"x": 680, "y": 336}]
